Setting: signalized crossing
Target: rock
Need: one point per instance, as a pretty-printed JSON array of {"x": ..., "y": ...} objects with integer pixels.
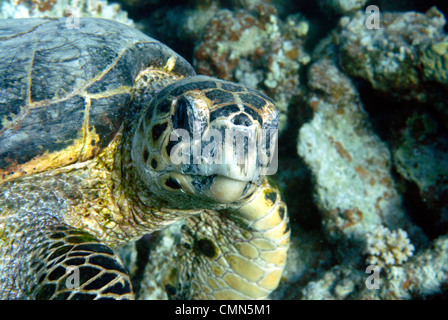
[
  {"x": 354, "y": 187},
  {"x": 391, "y": 57}
]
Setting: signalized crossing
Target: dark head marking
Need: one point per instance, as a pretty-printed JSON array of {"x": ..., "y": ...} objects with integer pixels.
[
  {"x": 224, "y": 111},
  {"x": 173, "y": 183},
  {"x": 207, "y": 248},
  {"x": 164, "y": 106},
  {"x": 218, "y": 96},
  {"x": 157, "y": 130},
  {"x": 254, "y": 114},
  {"x": 180, "y": 118},
  {"x": 281, "y": 211},
  {"x": 271, "y": 196},
  {"x": 154, "y": 163},
  {"x": 253, "y": 100},
  {"x": 197, "y": 85},
  {"x": 170, "y": 146},
  {"x": 231, "y": 87},
  {"x": 287, "y": 229},
  {"x": 145, "y": 154},
  {"x": 241, "y": 119}
]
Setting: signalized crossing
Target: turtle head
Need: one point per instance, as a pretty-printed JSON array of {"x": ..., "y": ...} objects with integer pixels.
[{"x": 206, "y": 139}]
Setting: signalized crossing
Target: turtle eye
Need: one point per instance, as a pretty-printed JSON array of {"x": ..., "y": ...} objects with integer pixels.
[{"x": 181, "y": 118}]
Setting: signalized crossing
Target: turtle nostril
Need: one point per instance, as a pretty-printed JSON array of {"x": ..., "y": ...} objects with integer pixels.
[
  {"x": 180, "y": 118},
  {"x": 241, "y": 119}
]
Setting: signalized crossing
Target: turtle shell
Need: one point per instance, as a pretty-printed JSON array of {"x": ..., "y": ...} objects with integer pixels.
[{"x": 65, "y": 88}]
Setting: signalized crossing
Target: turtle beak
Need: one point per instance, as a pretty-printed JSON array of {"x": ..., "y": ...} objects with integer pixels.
[{"x": 225, "y": 190}]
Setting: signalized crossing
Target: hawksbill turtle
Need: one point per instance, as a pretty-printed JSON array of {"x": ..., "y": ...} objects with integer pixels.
[{"x": 98, "y": 147}]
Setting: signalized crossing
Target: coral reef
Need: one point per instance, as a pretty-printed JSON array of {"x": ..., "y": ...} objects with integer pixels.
[
  {"x": 351, "y": 165},
  {"x": 249, "y": 44},
  {"x": 364, "y": 148},
  {"x": 63, "y": 8},
  {"x": 391, "y": 57},
  {"x": 420, "y": 154},
  {"x": 360, "y": 177},
  {"x": 388, "y": 248},
  {"x": 256, "y": 49},
  {"x": 157, "y": 263},
  {"x": 343, "y": 151},
  {"x": 341, "y": 6},
  {"x": 422, "y": 276},
  {"x": 340, "y": 282}
]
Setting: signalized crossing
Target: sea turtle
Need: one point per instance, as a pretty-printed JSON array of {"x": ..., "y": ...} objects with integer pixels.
[{"x": 93, "y": 154}]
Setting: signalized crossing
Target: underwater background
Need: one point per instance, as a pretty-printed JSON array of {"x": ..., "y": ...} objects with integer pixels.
[{"x": 363, "y": 153}]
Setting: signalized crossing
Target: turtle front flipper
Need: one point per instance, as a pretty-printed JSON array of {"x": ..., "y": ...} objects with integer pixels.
[
  {"x": 78, "y": 267},
  {"x": 70, "y": 264},
  {"x": 233, "y": 254}
]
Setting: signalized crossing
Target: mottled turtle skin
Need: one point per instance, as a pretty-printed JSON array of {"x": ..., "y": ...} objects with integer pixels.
[{"x": 86, "y": 116}]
